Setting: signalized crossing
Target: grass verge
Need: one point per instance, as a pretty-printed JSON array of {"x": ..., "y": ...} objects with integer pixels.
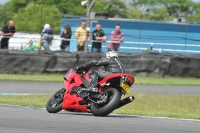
[
  {"x": 173, "y": 106},
  {"x": 138, "y": 79}
]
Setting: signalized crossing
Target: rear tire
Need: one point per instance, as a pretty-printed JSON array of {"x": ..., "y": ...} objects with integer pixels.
[
  {"x": 57, "y": 100},
  {"x": 113, "y": 102}
]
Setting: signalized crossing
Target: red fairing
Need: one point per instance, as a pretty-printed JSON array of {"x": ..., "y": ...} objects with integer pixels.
[
  {"x": 116, "y": 75},
  {"x": 72, "y": 101},
  {"x": 77, "y": 81}
]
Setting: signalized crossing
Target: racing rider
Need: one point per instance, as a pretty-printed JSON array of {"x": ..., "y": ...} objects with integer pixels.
[{"x": 111, "y": 65}]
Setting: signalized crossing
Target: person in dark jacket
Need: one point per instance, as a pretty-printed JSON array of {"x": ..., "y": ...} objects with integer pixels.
[
  {"x": 98, "y": 35},
  {"x": 111, "y": 65},
  {"x": 7, "y": 32},
  {"x": 46, "y": 36},
  {"x": 67, "y": 33}
]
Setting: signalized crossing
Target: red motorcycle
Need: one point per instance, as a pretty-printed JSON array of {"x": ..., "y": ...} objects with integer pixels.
[{"x": 108, "y": 98}]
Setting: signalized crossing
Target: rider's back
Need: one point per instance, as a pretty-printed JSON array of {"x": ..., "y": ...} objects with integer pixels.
[{"x": 112, "y": 65}]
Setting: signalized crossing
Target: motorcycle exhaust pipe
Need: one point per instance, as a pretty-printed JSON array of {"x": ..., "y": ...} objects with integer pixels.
[{"x": 125, "y": 101}]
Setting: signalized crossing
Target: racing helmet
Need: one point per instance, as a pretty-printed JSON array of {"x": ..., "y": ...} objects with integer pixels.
[{"x": 111, "y": 53}]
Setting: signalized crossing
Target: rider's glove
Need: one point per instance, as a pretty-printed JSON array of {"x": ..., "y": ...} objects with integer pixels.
[{"x": 78, "y": 68}]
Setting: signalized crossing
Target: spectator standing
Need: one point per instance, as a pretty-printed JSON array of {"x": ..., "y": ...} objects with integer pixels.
[
  {"x": 30, "y": 46},
  {"x": 67, "y": 33},
  {"x": 46, "y": 36},
  {"x": 116, "y": 35},
  {"x": 80, "y": 35},
  {"x": 98, "y": 35},
  {"x": 7, "y": 32}
]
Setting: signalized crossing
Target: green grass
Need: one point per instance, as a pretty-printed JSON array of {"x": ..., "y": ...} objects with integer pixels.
[
  {"x": 38, "y": 101},
  {"x": 173, "y": 106},
  {"x": 33, "y": 77},
  {"x": 151, "y": 80}
]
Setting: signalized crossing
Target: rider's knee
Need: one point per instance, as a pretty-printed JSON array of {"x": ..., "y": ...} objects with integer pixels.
[{"x": 91, "y": 71}]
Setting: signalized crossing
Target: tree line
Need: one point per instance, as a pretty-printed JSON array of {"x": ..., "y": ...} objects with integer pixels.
[{"x": 31, "y": 15}]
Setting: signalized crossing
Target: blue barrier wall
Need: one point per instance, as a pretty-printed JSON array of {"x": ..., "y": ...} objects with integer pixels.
[{"x": 145, "y": 31}]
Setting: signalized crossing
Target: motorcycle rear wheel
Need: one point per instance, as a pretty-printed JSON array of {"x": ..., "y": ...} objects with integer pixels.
[
  {"x": 111, "y": 104},
  {"x": 54, "y": 104}
]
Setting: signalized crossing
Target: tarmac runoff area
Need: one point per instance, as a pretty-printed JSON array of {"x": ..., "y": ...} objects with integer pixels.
[
  {"x": 14, "y": 87},
  {"x": 16, "y": 119}
]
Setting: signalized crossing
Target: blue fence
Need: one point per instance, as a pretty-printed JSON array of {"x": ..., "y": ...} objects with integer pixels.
[{"x": 141, "y": 35}]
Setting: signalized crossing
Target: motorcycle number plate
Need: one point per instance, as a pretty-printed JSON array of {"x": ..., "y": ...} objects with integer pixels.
[{"x": 125, "y": 86}]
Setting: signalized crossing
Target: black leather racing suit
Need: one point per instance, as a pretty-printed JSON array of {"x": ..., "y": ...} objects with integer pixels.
[{"x": 112, "y": 65}]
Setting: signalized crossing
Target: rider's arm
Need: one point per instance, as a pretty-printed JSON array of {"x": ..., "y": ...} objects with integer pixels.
[
  {"x": 88, "y": 65},
  {"x": 94, "y": 63}
]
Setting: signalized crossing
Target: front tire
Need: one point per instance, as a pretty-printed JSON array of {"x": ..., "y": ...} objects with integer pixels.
[
  {"x": 111, "y": 104},
  {"x": 54, "y": 104}
]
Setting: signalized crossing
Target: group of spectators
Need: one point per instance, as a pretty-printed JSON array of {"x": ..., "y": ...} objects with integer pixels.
[
  {"x": 81, "y": 34},
  {"x": 9, "y": 30},
  {"x": 98, "y": 36}
]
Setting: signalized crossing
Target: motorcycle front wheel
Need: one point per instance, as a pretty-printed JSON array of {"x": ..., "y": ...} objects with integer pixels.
[
  {"x": 112, "y": 102},
  {"x": 54, "y": 104}
]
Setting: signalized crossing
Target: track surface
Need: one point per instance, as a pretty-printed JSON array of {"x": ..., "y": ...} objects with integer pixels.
[
  {"x": 42, "y": 87},
  {"x": 27, "y": 120},
  {"x": 24, "y": 120}
]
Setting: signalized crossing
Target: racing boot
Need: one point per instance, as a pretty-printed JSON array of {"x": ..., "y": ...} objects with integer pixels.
[
  {"x": 92, "y": 88},
  {"x": 85, "y": 92}
]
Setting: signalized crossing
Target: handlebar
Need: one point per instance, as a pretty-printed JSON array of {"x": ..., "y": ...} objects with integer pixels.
[{"x": 81, "y": 72}]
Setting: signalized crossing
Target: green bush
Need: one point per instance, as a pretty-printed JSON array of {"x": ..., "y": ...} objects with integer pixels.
[{"x": 147, "y": 51}]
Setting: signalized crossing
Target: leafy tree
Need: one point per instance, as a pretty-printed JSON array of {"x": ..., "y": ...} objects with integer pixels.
[
  {"x": 34, "y": 16},
  {"x": 179, "y": 8},
  {"x": 175, "y": 8},
  {"x": 66, "y": 6},
  {"x": 159, "y": 14},
  {"x": 73, "y": 7},
  {"x": 113, "y": 7},
  {"x": 5, "y": 15},
  {"x": 196, "y": 16},
  {"x": 133, "y": 13}
]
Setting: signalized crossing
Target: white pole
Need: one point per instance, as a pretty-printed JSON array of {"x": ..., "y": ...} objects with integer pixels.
[{"x": 89, "y": 7}]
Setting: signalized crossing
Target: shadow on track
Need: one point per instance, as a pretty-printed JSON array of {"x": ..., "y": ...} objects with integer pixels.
[{"x": 90, "y": 114}]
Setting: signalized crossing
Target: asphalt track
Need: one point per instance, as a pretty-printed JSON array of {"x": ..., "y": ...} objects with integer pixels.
[
  {"x": 45, "y": 87},
  {"x": 25, "y": 120},
  {"x": 15, "y": 119}
]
